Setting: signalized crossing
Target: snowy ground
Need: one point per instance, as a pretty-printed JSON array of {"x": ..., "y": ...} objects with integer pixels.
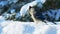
[{"x": 15, "y": 27}]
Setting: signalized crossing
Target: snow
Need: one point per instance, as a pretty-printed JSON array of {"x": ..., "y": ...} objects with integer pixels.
[
  {"x": 6, "y": 15},
  {"x": 51, "y": 30},
  {"x": 25, "y": 8},
  {"x": 40, "y": 1},
  {"x": 3, "y": 3},
  {"x": 28, "y": 29},
  {"x": 17, "y": 15},
  {"x": 2, "y": 19},
  {"x": 57, "y": 15},
  {"x": 15, "y": 27},
  {"x": 12, "y": 11},
  {"x": 12, "y": 1}
]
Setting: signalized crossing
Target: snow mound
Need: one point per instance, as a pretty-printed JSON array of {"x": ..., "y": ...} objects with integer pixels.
[{"x": 15, "y": 27}]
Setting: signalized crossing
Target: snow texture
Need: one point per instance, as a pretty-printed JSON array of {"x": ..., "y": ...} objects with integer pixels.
[{"x": 15, "y": 27}]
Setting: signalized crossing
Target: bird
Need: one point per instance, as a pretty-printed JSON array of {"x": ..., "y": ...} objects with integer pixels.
[{"x": 24, "y": 9}]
